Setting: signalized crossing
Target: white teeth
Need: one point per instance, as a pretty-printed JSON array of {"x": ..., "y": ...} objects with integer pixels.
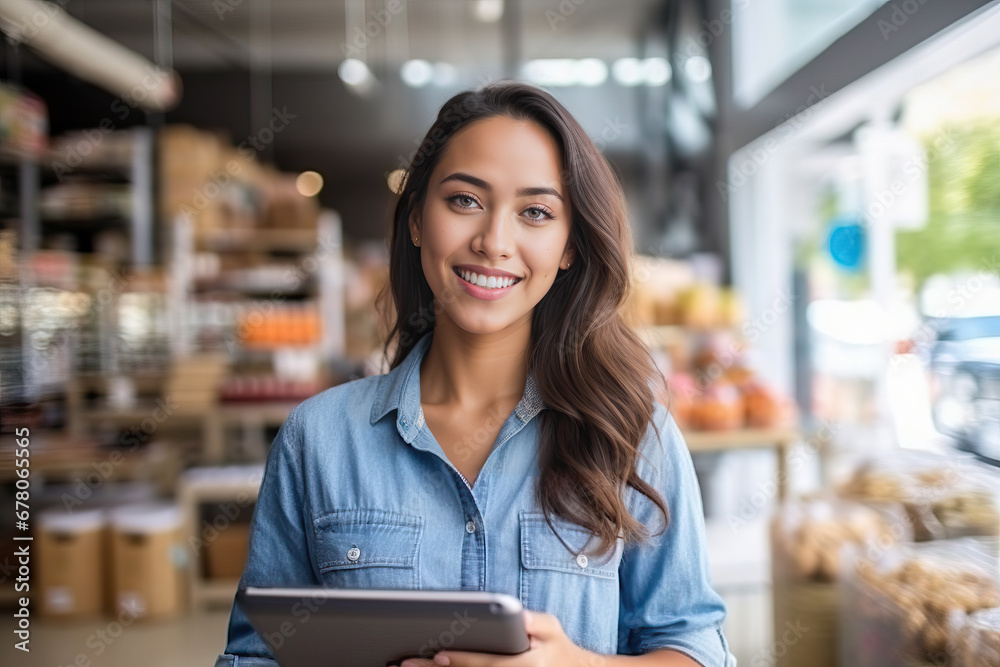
[{"x": 491, "y": 282}]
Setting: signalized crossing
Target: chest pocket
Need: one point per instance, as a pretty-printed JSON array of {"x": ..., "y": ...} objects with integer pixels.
[
  {"x": 552, "y": 576},
  {"x": 368, "y": 548}
]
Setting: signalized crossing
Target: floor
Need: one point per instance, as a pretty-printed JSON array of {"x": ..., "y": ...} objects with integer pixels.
[{"x": 194, "y": 639}]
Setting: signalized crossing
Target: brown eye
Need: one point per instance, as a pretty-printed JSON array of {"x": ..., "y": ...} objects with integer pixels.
[
  {"x": 542, "y": 214},
  {"x": 462, "y": 200}
]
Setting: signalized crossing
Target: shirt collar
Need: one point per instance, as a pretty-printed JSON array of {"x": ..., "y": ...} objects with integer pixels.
[{"x": 399, "y": 389}]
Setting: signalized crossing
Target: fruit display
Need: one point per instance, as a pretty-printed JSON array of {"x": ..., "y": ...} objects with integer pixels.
[
  {"x": 670, "y": 292},
  {"x": 721, "y": 393},
  {"x": 719, "y": 407},
  {"x": 692, "y": 327}
]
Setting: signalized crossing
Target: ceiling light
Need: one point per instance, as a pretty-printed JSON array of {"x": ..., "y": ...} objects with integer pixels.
[
  {"x": 354, "y": 72},
  {"x": 656, "y": 71},
  {"x": 591, "y": 72},
  {"x": 309, "y": 183},
  {"x": 565, "y": 71},
  {"x": 416, "y": 73},
  {"x": 627, "y": 71},
  {"x": 487, "y": 11},
  {"x": 698, "y": 69},
  {"x": 550, "y": 71},
  {"x": 84, "y": 52}
]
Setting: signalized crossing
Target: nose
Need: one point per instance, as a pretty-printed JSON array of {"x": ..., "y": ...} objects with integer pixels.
[{"x": 496, "y": 238}]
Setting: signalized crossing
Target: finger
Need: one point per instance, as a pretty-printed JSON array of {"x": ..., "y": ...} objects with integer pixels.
[
  {"x": 418, "y": 662},
  {"x": 471, "y": 659},
  {"x": 542, "y": 625}
]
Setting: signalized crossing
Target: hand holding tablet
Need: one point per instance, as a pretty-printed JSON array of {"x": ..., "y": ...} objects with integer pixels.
[{"x": 307, "y": 627}]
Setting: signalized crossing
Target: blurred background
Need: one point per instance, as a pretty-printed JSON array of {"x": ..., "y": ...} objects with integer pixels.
[{"x": 194, "y": 205}]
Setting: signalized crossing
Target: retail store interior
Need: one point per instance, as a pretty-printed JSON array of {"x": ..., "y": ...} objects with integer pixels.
[{"x": 195, "y": 201}]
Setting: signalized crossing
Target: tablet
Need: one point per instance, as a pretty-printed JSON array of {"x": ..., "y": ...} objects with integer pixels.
[{"x": 322, "y": 627}]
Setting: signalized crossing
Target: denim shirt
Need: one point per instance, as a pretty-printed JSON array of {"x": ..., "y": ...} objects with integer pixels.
[{"x": 357, "y": 493}]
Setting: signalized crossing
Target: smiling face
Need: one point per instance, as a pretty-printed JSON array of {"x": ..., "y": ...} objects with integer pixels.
[{"x": 496, "y": 207}]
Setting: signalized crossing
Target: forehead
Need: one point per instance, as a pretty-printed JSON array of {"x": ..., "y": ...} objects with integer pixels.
[{"x": 504, "y": 152}]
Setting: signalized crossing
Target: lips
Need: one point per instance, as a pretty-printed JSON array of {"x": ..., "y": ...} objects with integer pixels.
[
  {"x": 486, "y": 281},
  {"x": 485, "y": 293}
]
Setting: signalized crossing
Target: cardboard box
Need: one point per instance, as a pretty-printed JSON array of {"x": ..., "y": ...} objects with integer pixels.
[
  {"x": 226, "y": 555},
  {"x": 71, "y": 555},
  {"x": 150, "y": 559}
]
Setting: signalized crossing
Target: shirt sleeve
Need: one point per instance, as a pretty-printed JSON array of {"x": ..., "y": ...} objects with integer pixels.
[
  {"x": 278, "y": 553},
  {"x": 666, "y": 598}
]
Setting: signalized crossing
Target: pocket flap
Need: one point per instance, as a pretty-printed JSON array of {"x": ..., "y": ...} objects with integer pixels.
[
  {"x": 542, "y": 549},
  {"x": 366, "y": 538}
]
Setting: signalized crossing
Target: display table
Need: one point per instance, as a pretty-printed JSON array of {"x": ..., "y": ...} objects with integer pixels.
[{"x": 779, "y": 439}]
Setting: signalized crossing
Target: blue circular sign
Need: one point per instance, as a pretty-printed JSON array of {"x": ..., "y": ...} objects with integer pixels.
[{"x": 847, "y": 243}]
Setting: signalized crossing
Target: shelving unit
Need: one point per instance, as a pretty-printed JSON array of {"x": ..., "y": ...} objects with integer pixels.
[
  {"x": 314, "y": 254},
  {"x": 25, "y": 128},
  {"x": 94, "y": 166},
  {"x": 256, "y": 271}
]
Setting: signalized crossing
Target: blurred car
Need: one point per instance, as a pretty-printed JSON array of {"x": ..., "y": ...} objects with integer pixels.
[{"x": 965, "y": 367}]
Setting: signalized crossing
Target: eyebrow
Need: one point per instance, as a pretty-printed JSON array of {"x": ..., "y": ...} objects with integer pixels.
[{"x": 480, "y": 183}]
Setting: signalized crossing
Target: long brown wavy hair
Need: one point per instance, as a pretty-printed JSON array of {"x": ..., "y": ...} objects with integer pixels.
[{"x": 589, "y": 366}]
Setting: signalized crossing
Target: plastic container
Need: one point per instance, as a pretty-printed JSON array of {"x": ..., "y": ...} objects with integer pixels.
[
  {"x": 149, "y": 561},
  {"x": 71, "y": 550}
]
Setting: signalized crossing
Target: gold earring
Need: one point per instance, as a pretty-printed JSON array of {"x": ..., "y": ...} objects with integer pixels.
[{"x": 415, "y": 241}]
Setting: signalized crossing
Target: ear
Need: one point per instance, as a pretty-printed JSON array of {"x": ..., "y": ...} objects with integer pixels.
[
  {"x": 414, "y": 222},
  {"x": 569, "y": 255}
]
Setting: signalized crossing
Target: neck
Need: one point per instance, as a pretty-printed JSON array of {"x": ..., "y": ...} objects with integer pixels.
[{"x": 475, "y": 372}]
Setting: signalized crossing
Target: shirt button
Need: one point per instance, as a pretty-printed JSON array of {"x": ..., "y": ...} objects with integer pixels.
[
  {"x": 581, "y": 560},
  {"x": 353, "y": 553},
  {"x": 470, "y": 527}
]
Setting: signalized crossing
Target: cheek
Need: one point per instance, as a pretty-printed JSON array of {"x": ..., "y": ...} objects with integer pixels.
[{"x": 544, "y": 261}]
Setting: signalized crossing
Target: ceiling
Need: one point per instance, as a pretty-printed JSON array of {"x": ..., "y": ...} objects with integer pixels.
[
  {"x": 299, "y": 34},
  {"x": 239, "y": 65}
]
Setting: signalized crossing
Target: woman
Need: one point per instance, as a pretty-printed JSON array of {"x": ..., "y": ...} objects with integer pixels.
[{"x": 514, "y": 445}]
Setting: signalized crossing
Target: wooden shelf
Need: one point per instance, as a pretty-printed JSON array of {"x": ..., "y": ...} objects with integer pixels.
[
  {"x": 673, "y": 334},
  {"x": 258, "y": 239},
  {"x": 57, "y": 455},
  {"x": 739, "y": 439},
  {"x": 781, "y": 440}
]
